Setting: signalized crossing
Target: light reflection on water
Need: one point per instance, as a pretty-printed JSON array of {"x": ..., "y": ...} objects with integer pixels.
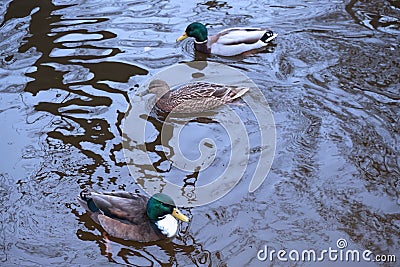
[{"x": 331, "y": 78}]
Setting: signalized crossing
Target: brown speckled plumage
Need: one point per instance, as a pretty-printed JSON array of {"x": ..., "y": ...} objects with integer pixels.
[{"x": 194, "y": 97}]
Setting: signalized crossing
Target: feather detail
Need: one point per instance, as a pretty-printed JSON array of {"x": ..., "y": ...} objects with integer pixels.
[
  {"x": 119, "y": 229},
  {"x": 195, "y": 97},
  {"x": 234, "y": 36},
  {"x": 168, "y": 226},
  {"x": 241, "y": 93}
]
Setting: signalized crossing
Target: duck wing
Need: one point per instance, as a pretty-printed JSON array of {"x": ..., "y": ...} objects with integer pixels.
[
  {"x": 125, "y": 206},
  {"x": 142, "y": 232},
  {"x": 199, "y": 90},
  {"x": 194, "y": 97},
  {"x": 235, "y": 41},
  {"x": 201, "y": 96},
  {"x": 234, "y": 36}
]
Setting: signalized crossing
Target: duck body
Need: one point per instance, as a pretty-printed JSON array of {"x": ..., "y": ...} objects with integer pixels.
[
  {"x": 131, "y": 216},
  {"x": 194, "y": 97},
  {"x": 229, "y": 42}
]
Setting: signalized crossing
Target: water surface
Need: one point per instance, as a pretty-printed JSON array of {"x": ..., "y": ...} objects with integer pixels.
[{"x": 69, "y": 68}]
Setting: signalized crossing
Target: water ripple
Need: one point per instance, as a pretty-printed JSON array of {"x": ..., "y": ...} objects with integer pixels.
[{"x": 67, "y": 70}]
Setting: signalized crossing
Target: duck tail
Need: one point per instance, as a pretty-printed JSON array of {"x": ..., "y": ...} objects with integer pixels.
[
  {"x": 241, "y": 91},
  {"x": 268, "y": 36},
  {"x": 86, "y": 201},
  {"x": 85, "y": 195}
]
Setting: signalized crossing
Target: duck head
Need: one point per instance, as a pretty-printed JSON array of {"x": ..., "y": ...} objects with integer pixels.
[
  {"x": 158, "y": 87},
  {"x": 196, "y": 30},
  {"x": 161, "y": 205}
]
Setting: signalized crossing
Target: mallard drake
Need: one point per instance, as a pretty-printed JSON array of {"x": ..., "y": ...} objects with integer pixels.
[
  {"x": 229, "y": 42},
  {"x": 194, "y": 97},
  {"x": 133, "y": 216}
]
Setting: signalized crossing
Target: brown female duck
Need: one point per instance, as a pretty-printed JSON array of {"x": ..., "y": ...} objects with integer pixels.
[{"x": 194, "y": 97}]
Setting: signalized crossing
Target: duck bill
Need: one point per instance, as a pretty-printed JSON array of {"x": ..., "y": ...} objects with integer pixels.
[
  {"x": 177, "y": 214},
  {"x": 183, "y": 37}
]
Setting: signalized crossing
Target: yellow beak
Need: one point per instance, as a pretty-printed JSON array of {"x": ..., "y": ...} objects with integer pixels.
[
  {"x": 177, "y": 214},
  {"x": 183, "y": 37}
]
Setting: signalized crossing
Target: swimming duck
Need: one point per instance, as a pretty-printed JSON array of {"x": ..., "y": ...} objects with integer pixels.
[
  {"x": 194, "y": 97},
  {"x": 133, "y": 216},
  {"x": 229, "y": 42}
]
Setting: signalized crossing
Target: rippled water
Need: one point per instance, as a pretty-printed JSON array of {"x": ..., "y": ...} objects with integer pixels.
[{"x": 69, "y": 68}]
